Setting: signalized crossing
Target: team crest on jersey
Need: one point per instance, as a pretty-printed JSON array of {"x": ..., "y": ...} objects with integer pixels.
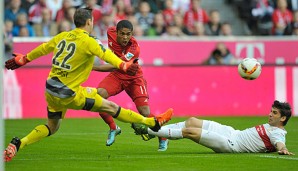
[
  {"x": 128, "y": 56},
  {"x": 89, "y": 90}
]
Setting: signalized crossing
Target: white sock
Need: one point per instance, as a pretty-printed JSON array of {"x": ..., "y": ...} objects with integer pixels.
[
  {"x": 169, "y": 133},
  {"x": 178, "y": 125}
]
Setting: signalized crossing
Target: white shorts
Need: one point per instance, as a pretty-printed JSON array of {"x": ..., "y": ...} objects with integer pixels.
[{"x": 218, "y": 137}]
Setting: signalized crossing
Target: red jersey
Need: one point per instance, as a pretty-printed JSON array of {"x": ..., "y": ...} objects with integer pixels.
[
  {"x": 168, "y": 15},
  {"x": 119, "y": 17},
  {"x": 35, "y": 11},
  {"x": 97, "y": 14},
  {"x": 129, "y": 52},
  {"x": 283, "y": 18},
  {"x": 191, "y": 17}
]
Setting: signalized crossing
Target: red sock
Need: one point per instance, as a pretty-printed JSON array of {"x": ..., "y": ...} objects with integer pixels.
[
  {"x": 150, "y": 115},
  {"x": 161, "y": 138},
  {"x": 108, "y": 120}
]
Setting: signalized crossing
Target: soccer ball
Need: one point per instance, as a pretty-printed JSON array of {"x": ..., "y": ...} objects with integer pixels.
[{"x": 249, "y": 68}]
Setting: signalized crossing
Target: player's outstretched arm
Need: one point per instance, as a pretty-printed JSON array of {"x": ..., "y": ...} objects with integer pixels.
[
  {"x": 104, "y": 68},
  {"x": 130, "y": 67},
  {"x": 282, "y": 150},
  {"x": 17, "y": 61}
]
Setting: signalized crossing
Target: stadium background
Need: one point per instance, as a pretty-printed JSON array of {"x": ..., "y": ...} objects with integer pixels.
[
  {"x": 190, "y": 88},
  {"x": 173, "y": 67}
]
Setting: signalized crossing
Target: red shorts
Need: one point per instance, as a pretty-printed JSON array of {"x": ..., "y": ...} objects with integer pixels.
[{"x": 135, "y": 88}]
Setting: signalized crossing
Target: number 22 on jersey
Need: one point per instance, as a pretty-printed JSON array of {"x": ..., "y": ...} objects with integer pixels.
[{"x": 62, "y": 47}]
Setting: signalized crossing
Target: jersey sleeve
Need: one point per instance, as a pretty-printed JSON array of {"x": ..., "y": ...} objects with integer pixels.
[
  {"x": 44, "y": 48},
  {"x": 277, "y": 136},
  {"x": 107, "y": 55}
]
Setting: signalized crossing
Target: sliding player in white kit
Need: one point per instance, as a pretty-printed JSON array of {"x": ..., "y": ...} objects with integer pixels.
[{"x": 269, "y": 137}]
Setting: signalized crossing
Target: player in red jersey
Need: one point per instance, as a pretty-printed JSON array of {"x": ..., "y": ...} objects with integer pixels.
[{"x": 125, "y": 46}]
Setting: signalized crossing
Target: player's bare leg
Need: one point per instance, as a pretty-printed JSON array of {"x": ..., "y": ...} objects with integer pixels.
[
  {"x": 193, "y": 134},
  {"x": 194, "y": 122},
  {"x": 145, "y": 111},
  {"x": 193, "y": 129},
  {"x": 129, "y": 116}
]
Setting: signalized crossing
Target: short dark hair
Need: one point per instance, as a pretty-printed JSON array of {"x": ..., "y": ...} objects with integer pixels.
[
  {"x": 284, "y": 110},
  {"x": 81, "y": 16},
  {"x": 124, "y": 24},
  {"x": 216, "y": 52}
]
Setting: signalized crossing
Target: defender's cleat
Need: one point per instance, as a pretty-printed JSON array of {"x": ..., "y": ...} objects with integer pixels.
[
  {"x": 163, "y": 145},
  {"x": 139, "y": 128},
  {"x": 147, "y": 137},
  {"x": 162, "y": 119},
  {"x": 142, "y": 130},
  {"x": 112, "y": 135},
  {"x": 12, "y": 149}
]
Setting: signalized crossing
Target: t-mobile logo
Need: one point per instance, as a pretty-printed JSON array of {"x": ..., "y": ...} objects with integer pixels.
[{"x": 251, "y": 50}]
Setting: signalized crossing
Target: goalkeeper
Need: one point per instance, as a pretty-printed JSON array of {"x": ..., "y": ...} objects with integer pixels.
[{"x": 73, "y": 57}]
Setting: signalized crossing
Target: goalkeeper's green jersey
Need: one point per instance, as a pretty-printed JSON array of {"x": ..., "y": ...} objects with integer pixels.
[{"x": 73, "y": 58}]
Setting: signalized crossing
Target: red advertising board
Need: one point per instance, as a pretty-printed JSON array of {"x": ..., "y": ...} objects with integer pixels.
[
  {"x": 190, "y": 90},
  {"x": 159, "y": 52}
]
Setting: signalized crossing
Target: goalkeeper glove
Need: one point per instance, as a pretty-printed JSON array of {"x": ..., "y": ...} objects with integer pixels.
[
  {"x": 16, "y": 62},
  {"x": 131, "y": 67}
]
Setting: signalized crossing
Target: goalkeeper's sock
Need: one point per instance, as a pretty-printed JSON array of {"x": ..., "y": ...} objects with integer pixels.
[
  {"x": 169, "y": 133},
  {"x": 108, "y": 120},
  {"x": 130, "y": 116},
  {"x": 39, "y": 132}
]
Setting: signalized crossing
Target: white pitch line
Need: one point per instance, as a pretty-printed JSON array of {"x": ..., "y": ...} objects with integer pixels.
[
  {"x": 200, "y": 155},
  {"x": 90, "y": 133},
  {"x": 98, "y": 133},
  {"x": 279, "y": 157},
  {"x": 116, "y": 157}
]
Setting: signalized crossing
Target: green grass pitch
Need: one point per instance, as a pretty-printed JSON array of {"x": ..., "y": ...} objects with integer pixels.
[{"x": 79, "y": 145}]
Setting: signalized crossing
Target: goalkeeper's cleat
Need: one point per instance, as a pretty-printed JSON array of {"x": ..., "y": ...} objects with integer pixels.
[
  {"x": 12, "y": 149},
  {"x": 147, "y": 137},
  {"x": 112, "y": 135},
  {"x": 162, "y": 119},
  {"x": 163, "y": 145}
]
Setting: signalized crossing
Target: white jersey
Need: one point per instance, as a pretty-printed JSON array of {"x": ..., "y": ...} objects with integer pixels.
[
  {"x": 225, "y": 139},
  {"x": 262, "y": 138}
]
